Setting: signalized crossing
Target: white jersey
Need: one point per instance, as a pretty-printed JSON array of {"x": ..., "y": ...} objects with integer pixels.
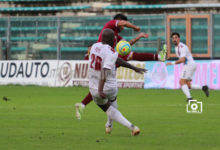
[
  {"x": 183, "y": 51},
  {"x": 102, "y": 56}
]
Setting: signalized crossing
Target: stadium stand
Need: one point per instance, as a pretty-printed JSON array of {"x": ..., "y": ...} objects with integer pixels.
[
  {"x": 163, "y": 6},
  {"x": 29, "y": 0},
  {"x": 40, "y": 36},
  {"x": 58, "y": 8},
  {"x": 216, "y": 35}
]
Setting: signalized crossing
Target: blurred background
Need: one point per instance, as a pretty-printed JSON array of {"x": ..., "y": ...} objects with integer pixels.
[{"x": 63, "y": 29}]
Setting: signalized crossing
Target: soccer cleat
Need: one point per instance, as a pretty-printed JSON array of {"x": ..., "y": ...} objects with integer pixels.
[
  {"x": 188, "y": 99},
  {"x": 162, "y": 54},
  {"x": 135, "y": 131},
  {"x": 79, "y": 110},
  {"x": 108, "y": 129},
  {"x": 206, "y": 90}
]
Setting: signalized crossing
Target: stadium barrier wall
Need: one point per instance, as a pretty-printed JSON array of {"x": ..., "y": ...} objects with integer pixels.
[
  {"x": 28, "y": 72},
  {"x": 161, "y": 76},
  {"x": 63, "y": 73},
  {"x": 60, "y": 73}
]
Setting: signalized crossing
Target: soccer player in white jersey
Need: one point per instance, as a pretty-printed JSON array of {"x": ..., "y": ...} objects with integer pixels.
[
  {"x": 185, "y": 56},
  {"x": 102, "y": 79}
]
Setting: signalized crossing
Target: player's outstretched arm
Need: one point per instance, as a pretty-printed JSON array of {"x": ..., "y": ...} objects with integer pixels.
[
  {"x": 123, "y": 63},
  {"x": 123, "y": 23},
  {"x": 179, "y": 61},
  {"x": 141, "y": 35}
]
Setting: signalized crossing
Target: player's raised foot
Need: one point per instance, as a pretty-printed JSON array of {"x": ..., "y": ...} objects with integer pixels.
[
  {"x": 163, "y": 53},
  {"x": 206, "y": 90},
  {"x": 135, "y": 131},
  {"x": 79, "y": 110},
  {"x": 108, "y": 129}
]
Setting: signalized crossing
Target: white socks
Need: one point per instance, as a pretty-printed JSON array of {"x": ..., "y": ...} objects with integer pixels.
[
  {"x": 185, "y": 90},
  {"x": 109, "y": 120},
  {"x": 83, "y": 106},
  {"x": 116, "y": 115},
  {"x": 196, "y": 86},
  {"x": 115, "y": 104}
]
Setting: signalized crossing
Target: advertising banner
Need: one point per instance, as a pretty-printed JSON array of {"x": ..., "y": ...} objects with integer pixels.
[
  {"x": 61, "y": 73},
  {"x": 75, "y": 73},
  {"x": 40, "y": 72},
  {"x": 128, "y": 78},
  {"x": 161, "y": 76},
  {"x": 72, "y": 73}
]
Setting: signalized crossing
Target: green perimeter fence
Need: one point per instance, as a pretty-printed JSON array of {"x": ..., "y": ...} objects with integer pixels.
[{"x": 68, "y": 37}]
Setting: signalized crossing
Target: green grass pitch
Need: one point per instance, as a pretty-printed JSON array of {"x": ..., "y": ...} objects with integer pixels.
[{"x": 43, "y": 118}]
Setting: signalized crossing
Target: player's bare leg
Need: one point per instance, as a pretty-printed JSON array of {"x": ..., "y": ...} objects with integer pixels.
[{"x": 79, "y": 107}]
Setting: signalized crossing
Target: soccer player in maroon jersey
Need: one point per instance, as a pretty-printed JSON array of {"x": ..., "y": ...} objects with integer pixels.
[{"x": 117, "y": 25}]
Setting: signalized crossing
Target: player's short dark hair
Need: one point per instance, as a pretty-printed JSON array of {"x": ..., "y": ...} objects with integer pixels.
[
  {"x": 175, "y": 33},
  {"x": 108, "y": 36},
  {"x": 120, "y": 17}
]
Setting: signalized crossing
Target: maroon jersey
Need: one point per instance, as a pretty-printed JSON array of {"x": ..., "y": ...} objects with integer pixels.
[
  {"x": 86, "y": 57},
  {"x": 112, "y": 24},
  {"x": 125, "y": 58}
]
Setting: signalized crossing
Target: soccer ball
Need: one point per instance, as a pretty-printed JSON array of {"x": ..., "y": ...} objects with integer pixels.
[{"x": 123, "y": 48}]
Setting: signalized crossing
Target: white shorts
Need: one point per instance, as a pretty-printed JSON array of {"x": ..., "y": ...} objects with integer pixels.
[
  {"x": 188, "y": 71},
  {"x": 110, "y": 95}
]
